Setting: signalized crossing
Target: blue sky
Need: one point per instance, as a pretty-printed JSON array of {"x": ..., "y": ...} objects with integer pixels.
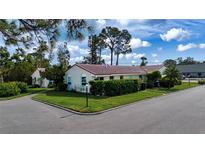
[{"x": 158, "y": 40}]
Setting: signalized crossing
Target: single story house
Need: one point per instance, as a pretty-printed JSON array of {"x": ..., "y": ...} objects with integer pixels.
[
  {"x": 79, "y": 75},
  {"x": 38, "y": 80},
  {"x": 192, "y": 70}
]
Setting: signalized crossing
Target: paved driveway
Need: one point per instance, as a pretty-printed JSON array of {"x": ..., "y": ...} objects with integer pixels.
[{"x": 181, "y": 112}]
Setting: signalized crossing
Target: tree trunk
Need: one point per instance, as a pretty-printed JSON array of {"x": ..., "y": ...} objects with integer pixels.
[
  {"x": 100, "y": 59},
  {"x": 111, "y": 56},
  {"x": 117, "y": 59},
  {"x": 1, "y": 79}
]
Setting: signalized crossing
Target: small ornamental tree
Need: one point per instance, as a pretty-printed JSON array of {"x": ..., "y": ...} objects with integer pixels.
[{"x": 172, "y": 74}]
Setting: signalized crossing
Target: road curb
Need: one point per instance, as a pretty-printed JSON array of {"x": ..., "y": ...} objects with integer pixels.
[{"x": 81, "y": 113}]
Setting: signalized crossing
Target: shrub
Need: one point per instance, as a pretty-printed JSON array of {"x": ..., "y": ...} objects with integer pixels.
[
  {"x": 51, "y": 85},
  {"x": 178, "y": 82},
  {"x": 36, "y": 86},
  {"x": 22, "y": 86},
  {"x": 142, "y": 86},
  {"x": 154, "y": 76},
  {"x": 113, "y": 87},
  {"x": 97, "y": 87},
  {"x": 9, "y": 89},
  {"x": 150, "y": 84},
  {"x": 61, "y": 86},
  {"x": 166, "y": 83},
  {"x": 201, "y": 82},
  {"x": 156, "y": 84}
]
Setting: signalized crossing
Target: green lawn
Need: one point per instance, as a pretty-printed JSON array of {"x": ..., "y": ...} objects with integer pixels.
[
  {"x": 77, "y": 102},
  {"x": 30, "y": 91}
]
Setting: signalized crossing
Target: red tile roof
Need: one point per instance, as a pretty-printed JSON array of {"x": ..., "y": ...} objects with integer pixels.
[
  {"x": 152, "y": 68},
  {"x": 111, "y": 69}
]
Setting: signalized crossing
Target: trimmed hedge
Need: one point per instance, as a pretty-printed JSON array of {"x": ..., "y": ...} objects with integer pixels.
[
  {"x": 166, "y": 83},
  {"x": 201, "y": 82},
  {"x": 9, "y": 89},
  {"x": 150, "y": 84},
  {"x": 142, "y": 86},
  {"x": 113, "y": 87},
  {"x": 97, "y": 87}
]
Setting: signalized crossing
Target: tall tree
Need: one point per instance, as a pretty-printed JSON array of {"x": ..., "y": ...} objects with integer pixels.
[
  {"x": 30, "y": 32},
  {"x": 40, "y": 35},
  {"x": 169, "y": 62},
  {"x": 100, "y": 46},
  {"x": 39, "y": 55},
  {"x": 94, "y": 44},
  {"x": 123, "y": 46},
  {"x": 144, "y": 61},
  {"x": 187, "y": 61},
  {"x": 111, "y": 37},
  {"x": 63, "y": 55},
  {"x": 5, "y": 62}
]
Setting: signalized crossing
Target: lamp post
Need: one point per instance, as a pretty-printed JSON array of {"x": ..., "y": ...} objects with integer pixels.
[
  {"x": 189, "y": 78},
  {"x": 86, "y": 88}
]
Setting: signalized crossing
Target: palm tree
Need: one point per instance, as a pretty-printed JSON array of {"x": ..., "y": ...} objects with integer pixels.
[
  {"x": 172, "y": 74},
  {"x": 144, "y": 62}
]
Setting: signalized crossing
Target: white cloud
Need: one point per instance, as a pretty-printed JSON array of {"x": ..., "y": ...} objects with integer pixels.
[
  {"x": 121, "y": 56},
  {"x": 138, "y": 43},
  {"x": 188, "y": 46},
  {"x": 160, "y": 49},
  {"x": 175, "y": 34},
  {"x": 182, "y": 47},
  {"x": 101, "y": 23},
  {"x": 123, "y": 22},
  {"x": 76, "y": 59},
  {"x": 156, "y": 61},
  {"x": 106, "y": 57},
  {"x": 154, "y": 55},
  {"x": 76, "y": 50},
  {"x": 134, "y": 55},
  {"x": 202, "y": 45},
  {"x": 133, "y": 61}
]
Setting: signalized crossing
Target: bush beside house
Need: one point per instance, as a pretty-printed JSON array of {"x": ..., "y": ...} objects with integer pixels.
[
  {"x": 152, "y": 79},
  {"x": 113, "y": 87},
  {"x": 22, "y": 86},
  {"x": 166, "y": 83},
  {"x": 12, "y": 88}
]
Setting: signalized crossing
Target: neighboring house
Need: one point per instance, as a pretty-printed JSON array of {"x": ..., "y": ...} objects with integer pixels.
[
  {"x": 192, "y": 70},
  {"x": 79, "y": 75},
  {"x": 38, "y": 80}
]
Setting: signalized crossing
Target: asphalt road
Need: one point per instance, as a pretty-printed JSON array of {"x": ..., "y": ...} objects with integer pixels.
[{"x": 181, "y": 112}]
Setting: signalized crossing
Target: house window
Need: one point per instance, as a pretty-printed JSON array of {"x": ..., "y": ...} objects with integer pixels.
[
  {"x": 99, "y": 78},
  {"x": 83, "y": 81},
  {"x": 34, "y": 80},
  {"x": 140, "y": 76},
  {"x": 121, "y": 77},
  {"x": 69, "y": 80},
  {"x": 111, "y": 77}
]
